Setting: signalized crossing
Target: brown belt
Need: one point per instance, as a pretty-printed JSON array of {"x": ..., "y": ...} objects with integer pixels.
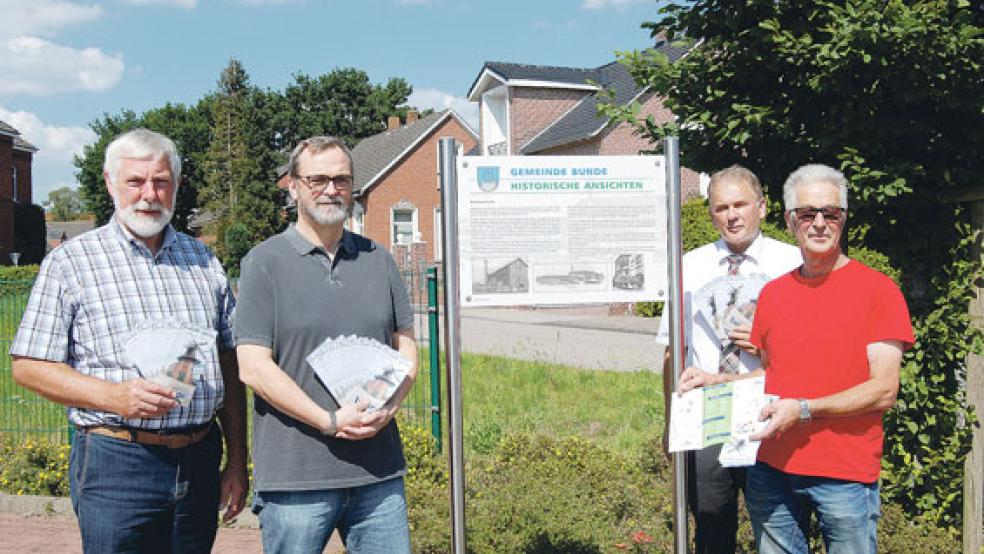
[{"x": 176, "y": 440}]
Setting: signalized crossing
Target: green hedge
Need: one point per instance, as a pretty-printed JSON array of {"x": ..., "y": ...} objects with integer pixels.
[
  {"x": 18, "y": 273},
  {"x": 534, "y": 493},
  {"x": 551, "y": 495}
]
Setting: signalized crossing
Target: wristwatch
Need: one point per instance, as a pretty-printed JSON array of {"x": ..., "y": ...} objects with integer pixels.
[
  {"x": 332, "y": 428},
  {"x": 805, "y": 416}
]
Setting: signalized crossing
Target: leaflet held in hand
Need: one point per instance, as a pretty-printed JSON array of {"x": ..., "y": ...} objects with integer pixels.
[
  {"x": 354, "y": 369},
  {"x": 720, "y": 414}
]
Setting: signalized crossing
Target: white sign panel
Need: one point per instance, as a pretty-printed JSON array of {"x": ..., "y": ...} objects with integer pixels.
[{"x": 561, "y": 229}]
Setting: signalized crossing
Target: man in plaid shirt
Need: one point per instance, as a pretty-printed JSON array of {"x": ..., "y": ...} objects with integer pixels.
[{"x": 144, "y": 469}]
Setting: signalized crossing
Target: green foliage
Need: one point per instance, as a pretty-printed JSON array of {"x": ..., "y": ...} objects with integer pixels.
[
  {"x": 889, "y": 91},
  {"x": 236, "y": 242},
  {"x": 33, "y": 467},
  {"x": 30, "y": 233},
  {"x": 64, "y": 204},
  {"x": 541, "y": 494},
  {"x": 19, "y": 273}
]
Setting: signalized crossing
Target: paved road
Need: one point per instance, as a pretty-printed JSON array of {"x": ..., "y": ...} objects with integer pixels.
[{"x": 586, "y": 337}]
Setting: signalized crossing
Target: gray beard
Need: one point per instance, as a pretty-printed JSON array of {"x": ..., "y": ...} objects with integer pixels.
[
  {"x": 143, "y": 226},
  {"x": 325, "y": 214}
]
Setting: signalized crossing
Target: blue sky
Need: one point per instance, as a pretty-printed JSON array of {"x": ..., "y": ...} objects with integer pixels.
[{"x": 65, "y": 62}]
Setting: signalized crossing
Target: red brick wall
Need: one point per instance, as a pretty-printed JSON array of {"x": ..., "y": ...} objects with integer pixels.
[
  {"x": 532, "y": 109},
  {"x": 414, "y": 180},
  {"x": 22, "y": 160},
  {"x": 6, "y": 207}
]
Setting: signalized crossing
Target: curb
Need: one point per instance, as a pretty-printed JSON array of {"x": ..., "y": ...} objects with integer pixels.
[{"x": 60, "y": 507}]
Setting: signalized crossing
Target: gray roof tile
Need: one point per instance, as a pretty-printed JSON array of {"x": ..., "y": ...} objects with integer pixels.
[
  {"x": 7, "y": 129},
  {"x": 70, "y": 228},
  {"x": 22, "y": 144},
  {"x": 373, "y": 154}
]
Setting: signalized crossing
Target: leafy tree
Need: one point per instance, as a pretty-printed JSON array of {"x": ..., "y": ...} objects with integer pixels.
[
  {"x": 889, "y": 91},
  {"x": 64, "y": 204},
  {"x": 342, "y": 103}
]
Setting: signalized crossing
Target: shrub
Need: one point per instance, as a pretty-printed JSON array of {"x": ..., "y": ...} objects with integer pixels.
[
  {"x": 428, "y": 505},
  {"x": 30, "y": 233},
  {"x": 541, "y": 494},
  {"x": 33, "y": 467},
  {"x": 19, "y": 273}
]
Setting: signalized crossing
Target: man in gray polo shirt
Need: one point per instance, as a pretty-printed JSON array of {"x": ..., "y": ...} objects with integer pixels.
[{"x": 319, "y": 465}]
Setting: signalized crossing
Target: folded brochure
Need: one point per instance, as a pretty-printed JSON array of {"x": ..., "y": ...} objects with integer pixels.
[
  {"x": 354, "y": 369},
  {"x": 725, "y": 414}
]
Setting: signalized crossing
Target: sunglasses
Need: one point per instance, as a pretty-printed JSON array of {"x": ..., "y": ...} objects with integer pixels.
[{"x": 829, "y": 213}]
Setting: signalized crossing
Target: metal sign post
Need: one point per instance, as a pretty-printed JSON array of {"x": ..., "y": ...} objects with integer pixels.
[
  {"x": 452, "y": 338},
  {"x": 674, "y": 310}
]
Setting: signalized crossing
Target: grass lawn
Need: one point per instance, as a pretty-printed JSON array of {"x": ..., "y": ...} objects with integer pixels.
[{"x": 620, "y": 411}]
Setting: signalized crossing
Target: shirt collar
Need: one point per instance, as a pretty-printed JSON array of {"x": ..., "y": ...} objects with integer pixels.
[
  {"x": 168, "y": 235},
  {"x": 303, "y": 246},
  {"x": 753, "y": 253}
]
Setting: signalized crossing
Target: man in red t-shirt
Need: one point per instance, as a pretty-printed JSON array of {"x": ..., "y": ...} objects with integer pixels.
[{"x": 832, "y": 334}]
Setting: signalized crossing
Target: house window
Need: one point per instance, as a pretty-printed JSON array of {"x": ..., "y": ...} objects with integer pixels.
[
  {"x": 438, "y": 235},
  {"x": 13, "y": 179},
  {"x": 404, "y": 225}
]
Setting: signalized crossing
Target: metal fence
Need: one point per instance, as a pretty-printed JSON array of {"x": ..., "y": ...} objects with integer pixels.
[
  {"x": 22, "y": 412},
  {"x": 25, "y": 414}
]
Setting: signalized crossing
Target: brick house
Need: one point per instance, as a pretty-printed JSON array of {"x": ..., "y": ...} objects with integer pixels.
[
  {"x": 397, "y": 188},
  {"x": 546, "y": 110},
  {"x": 16, "y": 155}
]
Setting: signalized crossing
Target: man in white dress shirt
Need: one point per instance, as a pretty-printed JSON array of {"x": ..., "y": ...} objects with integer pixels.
[{"x": 737, "y": 206}]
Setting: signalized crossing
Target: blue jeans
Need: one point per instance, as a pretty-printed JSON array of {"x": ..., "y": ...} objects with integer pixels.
[
  {"x": 370, "y": 519},
  {"x": 780, "y": 505},
  {"x": 145, "y": 499}
]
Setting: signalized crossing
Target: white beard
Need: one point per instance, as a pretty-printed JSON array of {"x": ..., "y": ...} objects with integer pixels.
[
  {"x": 325, "y": 213},
  {"x": 141, "y": 225}
]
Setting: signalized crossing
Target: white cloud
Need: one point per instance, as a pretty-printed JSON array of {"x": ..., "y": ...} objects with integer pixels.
[
  {"x": 43, "y": 17},
  {"x": 188, "y": 4},
  {"x": 602, "y": 4},
  {"x": 414, "y": 2},
  {"x": 55, "y": 144},
  {"x": 32, "y": 65},
  {"x": 52, "y": 167},
  {"x": 440, "y": 100}
]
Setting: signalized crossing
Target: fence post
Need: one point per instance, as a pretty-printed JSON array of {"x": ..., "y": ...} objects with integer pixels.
[{"x": 435, "y": 361}]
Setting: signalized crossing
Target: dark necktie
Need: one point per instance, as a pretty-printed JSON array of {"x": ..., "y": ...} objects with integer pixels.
[{"x": 730, "y": 353}]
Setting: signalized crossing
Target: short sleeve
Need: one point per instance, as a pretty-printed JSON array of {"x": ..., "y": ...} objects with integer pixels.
[
  {"x": 402, "y": 312},
  {"x": 889, "y": 318},
  {"x": 226, "y": 311},
  {"x": 254, "y": 319},
  {"x": 46, "y": 325}
]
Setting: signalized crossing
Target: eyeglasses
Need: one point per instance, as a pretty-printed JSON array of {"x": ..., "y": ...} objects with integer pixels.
[
  {"x": 808, "y": 214},
  {"x": 317, "y": 184}
]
